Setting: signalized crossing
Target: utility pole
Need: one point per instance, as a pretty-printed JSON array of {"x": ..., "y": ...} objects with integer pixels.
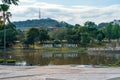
[
  {"x": 39, "y": 13},
  {"x": 4, "y": 20}
]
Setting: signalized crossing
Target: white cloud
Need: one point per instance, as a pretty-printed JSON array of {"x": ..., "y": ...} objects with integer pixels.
[
  {"x": 74, "y": 14},
  {"x": 27, "y": 1}
]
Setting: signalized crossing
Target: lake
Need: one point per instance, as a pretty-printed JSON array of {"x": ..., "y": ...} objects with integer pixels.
[{"x": 40, "y": 57}]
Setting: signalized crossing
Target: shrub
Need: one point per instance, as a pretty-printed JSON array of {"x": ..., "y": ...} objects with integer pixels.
[
  {"x": 1, "y": 60},
  {"x": 56, "y": 42},
  {"x": 11, "y": 61}
]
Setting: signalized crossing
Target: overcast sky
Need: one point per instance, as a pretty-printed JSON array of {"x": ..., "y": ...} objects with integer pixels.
[{"x": 71, "y": 11}]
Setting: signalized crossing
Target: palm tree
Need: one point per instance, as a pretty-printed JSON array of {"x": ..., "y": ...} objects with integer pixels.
[
  {"x": 8, "y": 15},
  {"x": 4, "y": 9},
  {"x": 15, "y": 2}
]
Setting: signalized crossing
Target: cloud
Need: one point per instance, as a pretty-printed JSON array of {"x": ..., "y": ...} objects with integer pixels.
[
  {"x": 27, "y": 1},
  {"x": 72, "y": 14}
]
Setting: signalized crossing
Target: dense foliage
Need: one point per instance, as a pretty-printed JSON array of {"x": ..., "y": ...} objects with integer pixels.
[
  {"x": 11, "y": 35},
  {"x": 15, "y": 2},
  {"x": 83, "y": 36}
]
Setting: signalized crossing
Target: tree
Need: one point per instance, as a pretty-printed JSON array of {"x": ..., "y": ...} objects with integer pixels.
[
  {"x": 11, "y": 34},
  {"x": 90, "y": 24},
  {"x": 5, "y": 6},
  {"x": 100, "y": 36},
  {"x": 108, "y": 31},
  {"x": 58, "y": 34},
  {"x": 15, "y": 2},
  {"x": 4, "y": 9},
  {"x": 77, "y": 31},
  {"x": 102, "y": 25},
  {"x": 77, "y": 25},
  {"x": 85, "y": 39},
  {"x": 43, "y": 35},
  {"x": 93, "y": 31},
  {"x": 5, "y": 16},
  {"x": 32, "y": 36},
  {"x": 72, "y": 35},
  {"x": 116, "y": 31}
]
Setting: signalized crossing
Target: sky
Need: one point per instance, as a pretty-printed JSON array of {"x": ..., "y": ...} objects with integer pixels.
[{"x": 71, "y": 11}]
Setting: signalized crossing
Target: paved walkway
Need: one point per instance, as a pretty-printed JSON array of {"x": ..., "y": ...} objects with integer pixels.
[{"x": 65, "y": 72}]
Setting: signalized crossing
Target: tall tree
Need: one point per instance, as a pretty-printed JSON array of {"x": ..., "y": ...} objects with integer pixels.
[{"x": 4, "y": 9}]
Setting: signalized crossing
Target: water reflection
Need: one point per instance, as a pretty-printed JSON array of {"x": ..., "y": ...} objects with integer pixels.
[
  {"x": 39, "y": 57},
  {"x": 59, "y": 55}
]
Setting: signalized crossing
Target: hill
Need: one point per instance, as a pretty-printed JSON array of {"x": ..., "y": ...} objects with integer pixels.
[
  {"x": 46, "y": 23},
  {"x": 103, "y": 24}
]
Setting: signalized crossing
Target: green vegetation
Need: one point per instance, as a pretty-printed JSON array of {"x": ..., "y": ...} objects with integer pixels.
[
  {"x": 11, "y": 34},
  {"x": 7, "y": 30},
  {"x": 1, "y": 60},
  {"x": 88, "y": 35},
  {"x": 15, "y": 2},
  {"x": 11, "y": 61},
  {"x": 8, "y": 61}
]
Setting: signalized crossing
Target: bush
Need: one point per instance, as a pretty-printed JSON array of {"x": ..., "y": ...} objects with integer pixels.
[
  {"x": 56, "y": 42},
  {"x": 11, "y": 61},
  {"x": 1, "y": 60}
]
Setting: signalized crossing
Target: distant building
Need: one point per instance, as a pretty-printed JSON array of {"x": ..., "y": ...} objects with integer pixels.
[{"x": 52, "y": 28}]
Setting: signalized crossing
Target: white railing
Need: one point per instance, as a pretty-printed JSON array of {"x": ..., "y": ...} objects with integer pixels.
[{"x": 92, "y": 49}]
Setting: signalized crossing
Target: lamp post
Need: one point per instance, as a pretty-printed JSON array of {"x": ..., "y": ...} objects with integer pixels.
[{"x": 5, "y": 54}]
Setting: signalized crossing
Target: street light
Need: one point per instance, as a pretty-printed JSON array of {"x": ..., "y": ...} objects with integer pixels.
[{"x": 5, "y": 56}]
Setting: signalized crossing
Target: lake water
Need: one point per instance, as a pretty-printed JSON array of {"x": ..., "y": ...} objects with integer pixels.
[{"x": 40, "y": 57}]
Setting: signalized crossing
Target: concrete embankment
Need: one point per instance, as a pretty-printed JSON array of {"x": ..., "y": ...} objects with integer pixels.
[{"x": 59, "y": 72}]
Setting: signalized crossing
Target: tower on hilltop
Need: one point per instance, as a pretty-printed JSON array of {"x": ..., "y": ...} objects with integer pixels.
[{"x": 39, "y": 13}]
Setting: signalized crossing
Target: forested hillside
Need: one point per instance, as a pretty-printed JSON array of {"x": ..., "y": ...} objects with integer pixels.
[{"x": 46, "y": 23}]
